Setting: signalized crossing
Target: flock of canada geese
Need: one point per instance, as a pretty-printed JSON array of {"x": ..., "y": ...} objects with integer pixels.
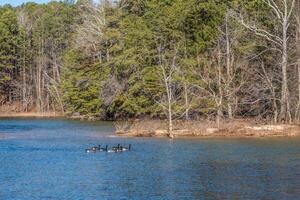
[{"x": 114, "y": 149}]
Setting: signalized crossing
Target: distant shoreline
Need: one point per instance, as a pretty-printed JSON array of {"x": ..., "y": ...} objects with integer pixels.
[
  {"x": 220, "y": 134},
  {"x": 203, "y": 129},
  {"x": 189, "y": 129},
  {"x": 31, "y": 114}
]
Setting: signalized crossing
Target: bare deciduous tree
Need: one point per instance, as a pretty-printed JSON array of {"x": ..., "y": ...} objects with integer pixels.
[
  {"x": 283, "y": 11},
  {"x": 297, "y": 19},
  {"x": 168, "y": 69},
  {"x": 169, "y": 92},
  {"x": 90, "y": 32}
]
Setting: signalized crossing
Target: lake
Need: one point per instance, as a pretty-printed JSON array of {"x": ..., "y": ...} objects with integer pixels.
[{"x": 46, "y": 159}]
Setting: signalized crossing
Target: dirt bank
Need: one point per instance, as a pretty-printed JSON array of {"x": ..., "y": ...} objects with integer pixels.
[
  {"x": 30, "y": 114},
  {"x": 206, "y": 129}
]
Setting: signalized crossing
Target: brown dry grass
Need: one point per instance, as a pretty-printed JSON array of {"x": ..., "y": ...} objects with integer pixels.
[
  {"x": 14, "y": 109},
  {"x": 30, "y": 114},
  {"x": 236, "y": 128}
]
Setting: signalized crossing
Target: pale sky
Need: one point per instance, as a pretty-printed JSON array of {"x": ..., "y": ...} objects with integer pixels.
[{"x": 19, "y": 2}]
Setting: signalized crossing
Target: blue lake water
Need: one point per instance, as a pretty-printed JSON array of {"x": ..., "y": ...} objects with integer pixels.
[{"x": 46, "y": 159}]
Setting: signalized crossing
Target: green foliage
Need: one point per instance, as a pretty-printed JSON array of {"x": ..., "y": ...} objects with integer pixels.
[
  {"x": 8, "y": 43},
  {"x": 80, "y": 86},
  {"x": 106, "y": 60},
  {"x": 133, "y": 32}
]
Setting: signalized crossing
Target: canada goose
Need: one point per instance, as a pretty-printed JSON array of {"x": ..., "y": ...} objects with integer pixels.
[
  {"x": 111, "y": 151},
  {"x": 91, "y": 150},
  {"x": 103, "y": 149},
  {"x": 116, "y": 148},
  {"x": 125, "y": 148}
]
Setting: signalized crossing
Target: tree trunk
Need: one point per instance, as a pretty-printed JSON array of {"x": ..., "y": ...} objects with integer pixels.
[
  {"x": 228, "y": 69},
  {"x": 42, "y": 92},
  {"x": 275, "y": 111},
  {"x": 56, "y": 70},
  {"x": 38, "y": 88},
  {"x": 298, "y": 105},
  {"x": 170, "y": 124},
  {"x": 24, "y": 102},
  {"x": 297, "y": 114},
  {"x": 186, "y": 102},
  {"x": 220, "y": 94},
  {"x": 169, "y": 96},
  {"x": 219, "y": 114},
  {"x": 285, "y": 113}
]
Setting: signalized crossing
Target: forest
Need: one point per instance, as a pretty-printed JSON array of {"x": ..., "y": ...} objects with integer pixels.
[{"x": 158, "y": 59}]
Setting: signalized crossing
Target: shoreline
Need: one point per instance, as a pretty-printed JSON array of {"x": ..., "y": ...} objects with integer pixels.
[
  {"x": 31, "y": 114},
  {"x": 213, "y": 136},
  {"x": 205, "y": 130},
  {"x": 202, "y": 130}
]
